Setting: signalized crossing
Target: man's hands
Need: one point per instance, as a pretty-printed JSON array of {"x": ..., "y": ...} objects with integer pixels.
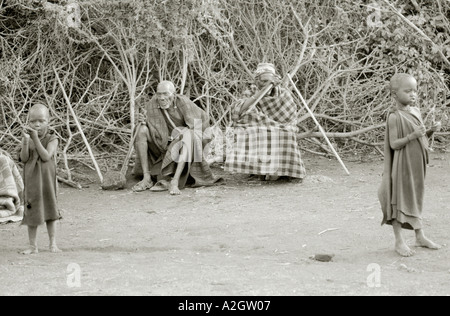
[{"x": 142, "y": 118}]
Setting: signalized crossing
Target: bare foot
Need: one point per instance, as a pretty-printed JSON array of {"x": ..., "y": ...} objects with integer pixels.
[
  {"x": 173, "y": 188},
  {"x": 403, "y": 250},
  {"x": 272, "y": 178},
  {"x": 55, "y": 249},
  {"x": 143, "y": 186},
  {"x": 30, "y": 251},
  {"x": 426, "y": 243}
]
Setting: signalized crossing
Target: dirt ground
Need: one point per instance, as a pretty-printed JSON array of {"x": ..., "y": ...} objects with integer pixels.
[{"x": 241, "y": 238}]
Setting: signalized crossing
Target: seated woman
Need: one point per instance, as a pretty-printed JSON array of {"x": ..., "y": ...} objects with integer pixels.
[{"x": 265, "y": 133}]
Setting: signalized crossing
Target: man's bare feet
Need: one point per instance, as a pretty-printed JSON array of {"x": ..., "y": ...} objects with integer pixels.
[
  {"x": 143, "y": 185},
  {"x": 173, "y": 188},
  {"x": 30, "y": 251},
  {"x": 403, "y": 250},
  {"x": 424, "y": 242},
  {"x": 55, "y": 249}
]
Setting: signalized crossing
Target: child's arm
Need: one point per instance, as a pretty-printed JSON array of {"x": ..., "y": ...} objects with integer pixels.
[
  {"x": 25, "y": 150},
  {"x": 45, "y": 153},
  {"x": 398, "y": 143}
]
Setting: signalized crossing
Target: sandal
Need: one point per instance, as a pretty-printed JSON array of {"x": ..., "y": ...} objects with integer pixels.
[
  {"x": 143, "y": 186},
  {"x": 160, "y": 186}
]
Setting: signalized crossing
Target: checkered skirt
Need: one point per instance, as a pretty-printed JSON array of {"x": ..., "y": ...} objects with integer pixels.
[{"x": 265, "y": 141}]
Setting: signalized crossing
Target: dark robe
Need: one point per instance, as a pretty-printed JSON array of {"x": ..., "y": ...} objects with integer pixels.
[
  {"x": 402, "y": 188},
  {"x": 40, "y": 194}
]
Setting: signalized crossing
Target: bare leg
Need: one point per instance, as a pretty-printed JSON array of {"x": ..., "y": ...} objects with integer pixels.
[
  {"x": 142, "y": 151},
  {"x": 400, "y": 245},
  {"x": 51, "y": 229},
  {"x": 174, "y": 183},
  {"x": 182, "y": 159},
  {"x": 32, "y": 233},
  {"x": 422, "y": 241}
]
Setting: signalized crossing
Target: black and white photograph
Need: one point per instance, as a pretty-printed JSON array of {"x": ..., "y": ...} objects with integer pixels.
[{"x": 224, "y": 153}]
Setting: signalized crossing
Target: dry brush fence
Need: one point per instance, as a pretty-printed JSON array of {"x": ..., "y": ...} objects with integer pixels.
[{"x": 110, "y": 53}]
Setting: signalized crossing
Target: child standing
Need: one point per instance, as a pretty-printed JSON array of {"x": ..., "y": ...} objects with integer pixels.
[
  {"x": 38, "y": 153},
  {"x": 406, "y": 156}
]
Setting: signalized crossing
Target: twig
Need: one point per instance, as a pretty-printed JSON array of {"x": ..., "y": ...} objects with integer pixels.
[
  {"x": 79, "y": 127},
  {"x": 418, "y": 30},
  {"x": 70, "y": 183},
  {"x": 327, "y": 230}
]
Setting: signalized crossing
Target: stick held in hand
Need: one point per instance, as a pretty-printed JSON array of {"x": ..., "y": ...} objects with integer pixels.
[{"x": 318, "y": 125}]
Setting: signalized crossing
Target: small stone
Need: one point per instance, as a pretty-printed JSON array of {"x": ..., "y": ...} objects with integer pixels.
[
  {"x": 323, "y": 257},
  {"x": 406, "y": 268}
]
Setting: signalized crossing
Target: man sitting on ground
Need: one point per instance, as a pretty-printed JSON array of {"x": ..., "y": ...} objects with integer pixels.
[{"x": 170, "y": 143}]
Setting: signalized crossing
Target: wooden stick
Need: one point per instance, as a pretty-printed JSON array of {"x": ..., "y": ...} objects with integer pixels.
[
  {"x": 79, "y": 126},
  {"x": 292, "y": 73},
  {"x": 318, "y": 125},
  {"x": 70, "y": 183},
  {"x": 262, "y": 95},
  {"x": 124, "y": 168}
]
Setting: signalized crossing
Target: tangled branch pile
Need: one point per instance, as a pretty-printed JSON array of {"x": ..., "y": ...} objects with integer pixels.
[{"x": 108, "y": 53}]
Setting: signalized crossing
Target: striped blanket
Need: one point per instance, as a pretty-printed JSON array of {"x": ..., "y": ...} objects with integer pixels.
[
  {"x": 11, "y": 187},
  {"x": 265, "y": 141}
]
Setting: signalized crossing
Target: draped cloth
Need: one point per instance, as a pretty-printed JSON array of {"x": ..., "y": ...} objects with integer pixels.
[
  {"x": 402, "y": 187},
  {"x": 265, "y": 138},
  {"x": 165, "y": 142},
  {"x": 11, "y": 187},
  {"x": 41, "y": 186}
]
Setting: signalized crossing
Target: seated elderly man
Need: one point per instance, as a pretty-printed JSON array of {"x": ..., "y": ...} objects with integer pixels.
[
  {"x": 265, "y": 133},
  {"x": 170, "y": 143}
]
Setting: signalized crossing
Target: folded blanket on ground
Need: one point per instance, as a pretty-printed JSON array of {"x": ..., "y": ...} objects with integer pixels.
[{"x": 11, "y": 188}]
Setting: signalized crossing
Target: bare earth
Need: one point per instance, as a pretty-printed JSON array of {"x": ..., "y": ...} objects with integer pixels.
[{"x": 241, "y": 238}]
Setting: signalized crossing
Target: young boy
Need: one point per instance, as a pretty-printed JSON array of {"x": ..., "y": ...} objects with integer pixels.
[
  {"x": 38, "y": 153},
  {"x": 402, "y": 189}
]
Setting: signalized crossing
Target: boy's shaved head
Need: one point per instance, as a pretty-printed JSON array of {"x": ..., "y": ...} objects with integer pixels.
[
  {"x": 397, "y": 80},
  {"x": 40, "y": 107}
]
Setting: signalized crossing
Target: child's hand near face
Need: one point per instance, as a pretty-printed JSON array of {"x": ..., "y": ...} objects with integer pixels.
[
  {"x": 32, "y": 133},
  {"x": 25, "y": 135}
]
